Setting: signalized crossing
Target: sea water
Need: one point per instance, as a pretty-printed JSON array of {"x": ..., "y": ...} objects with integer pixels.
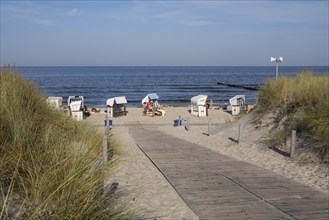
[{"x": 174, "y": 85}]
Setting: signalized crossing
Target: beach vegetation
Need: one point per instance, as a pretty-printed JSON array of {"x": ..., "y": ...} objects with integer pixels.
[
  {"x": 50, "y": 165},
  {"x": 298, "y": 103}
]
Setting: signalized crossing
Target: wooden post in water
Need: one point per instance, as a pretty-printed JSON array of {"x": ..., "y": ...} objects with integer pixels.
[
  {"x": 209, "y": 127},
  {"x": 292, "y": 143},
  {"x": 240, "y": 134}
]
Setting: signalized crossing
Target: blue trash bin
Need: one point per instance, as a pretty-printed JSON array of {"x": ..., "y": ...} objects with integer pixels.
[
  {"x": 176, "y": 123},
  {"x": 110, "y": 123}
]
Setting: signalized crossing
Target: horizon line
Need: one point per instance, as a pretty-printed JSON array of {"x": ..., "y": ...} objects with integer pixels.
[{"x": 163, "y": 66}]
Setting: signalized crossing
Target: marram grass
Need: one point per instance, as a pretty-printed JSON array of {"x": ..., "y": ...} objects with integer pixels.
[
  {"x": 303, "y": 101},
  {"x": 49, "y": 164}
]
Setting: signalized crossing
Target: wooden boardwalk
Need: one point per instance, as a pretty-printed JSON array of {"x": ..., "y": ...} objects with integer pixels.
[{"x": 215, "y": 186}]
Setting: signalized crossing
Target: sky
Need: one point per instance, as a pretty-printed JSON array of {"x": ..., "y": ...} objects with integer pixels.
[{"x": 164, "y": 33}]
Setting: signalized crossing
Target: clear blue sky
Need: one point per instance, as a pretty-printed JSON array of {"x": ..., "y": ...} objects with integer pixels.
[{"x": 162, "y": 33}]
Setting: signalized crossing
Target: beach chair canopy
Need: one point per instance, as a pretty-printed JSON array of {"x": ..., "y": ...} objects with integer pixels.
[
  {"x": 74, "y": 99},
  {"x": 149, "y": 97},
  {"x": 116, "y": 100},
  {"x": 199, "y": 100},
  {"x": 238, "y": 100},
  {"x": 55, "y": 102},
  {"x": 76, "y": 105}
]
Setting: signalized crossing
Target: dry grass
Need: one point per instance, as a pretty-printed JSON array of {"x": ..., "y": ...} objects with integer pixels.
[
  {"x": 49, "y": 164},
  {"x": 302, "y": 104}
]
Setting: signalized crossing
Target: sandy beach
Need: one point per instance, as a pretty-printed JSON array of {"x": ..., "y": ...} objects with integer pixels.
[{"x": 147, "y": 191}]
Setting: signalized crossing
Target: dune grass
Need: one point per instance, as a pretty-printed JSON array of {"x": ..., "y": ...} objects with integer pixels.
[
  {"x": 49, "y": 164},
  {"x": 300, "y": 103}
]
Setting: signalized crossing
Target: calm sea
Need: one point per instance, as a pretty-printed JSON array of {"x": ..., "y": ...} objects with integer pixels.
[{"x": 174, "y": 85}]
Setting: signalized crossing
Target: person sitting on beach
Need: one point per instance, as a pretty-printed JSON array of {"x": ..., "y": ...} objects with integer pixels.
[
  {"x": 151, "y": 106},
  {"x": 147, "y": 107},
  {"x": 156, "y": 104},
  {"x": 86, "y": 111}
]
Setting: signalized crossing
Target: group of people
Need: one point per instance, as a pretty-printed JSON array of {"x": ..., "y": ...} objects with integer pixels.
[{"x": 152, "y": 108}]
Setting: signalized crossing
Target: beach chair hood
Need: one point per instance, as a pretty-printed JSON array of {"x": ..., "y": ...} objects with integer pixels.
[
  {"x": 199, "y": 100},
  {"x": 238, "y": 100},
  {"x": 76, "y": 105},
  {"x": 118, "y": 100},
  {"x": 149, "y": 97}
]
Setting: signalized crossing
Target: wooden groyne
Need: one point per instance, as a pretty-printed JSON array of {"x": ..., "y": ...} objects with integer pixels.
[{"x": 248, "y": 87}]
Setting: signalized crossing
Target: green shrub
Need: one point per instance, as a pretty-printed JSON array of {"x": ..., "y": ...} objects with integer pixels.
[
  {"x": 304, "y": 100},
  {"x": 49, "y": 164}
]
